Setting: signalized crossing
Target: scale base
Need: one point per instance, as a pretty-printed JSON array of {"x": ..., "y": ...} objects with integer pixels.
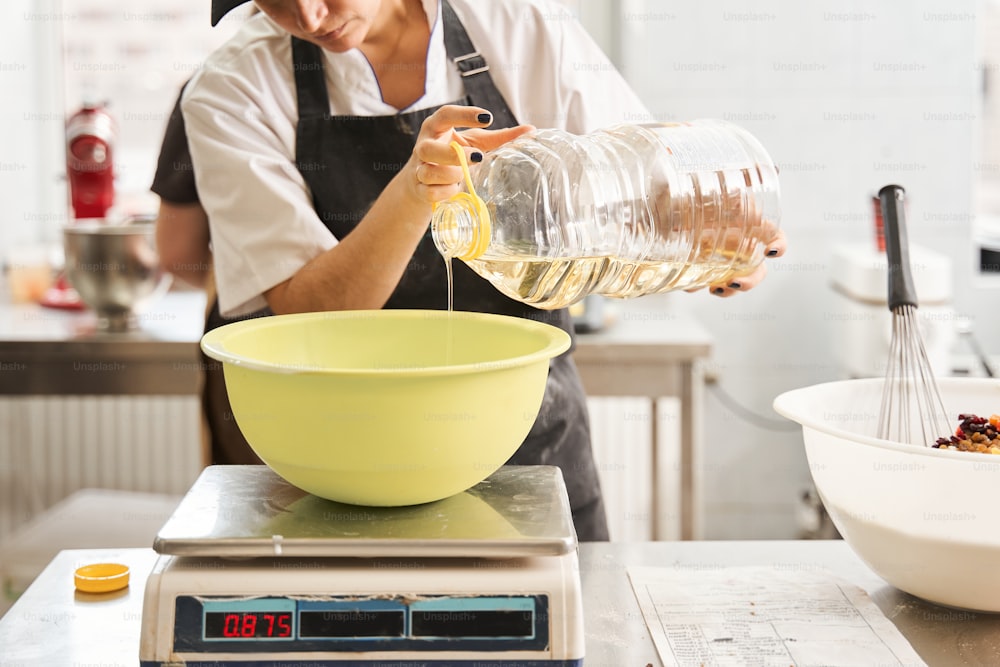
[
  {"x": 420, "y": 586},
  {"x": 440, "y": 612}
]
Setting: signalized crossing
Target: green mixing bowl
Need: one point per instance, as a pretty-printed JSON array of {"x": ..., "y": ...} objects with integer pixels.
[{"x": 385, "y": 407}]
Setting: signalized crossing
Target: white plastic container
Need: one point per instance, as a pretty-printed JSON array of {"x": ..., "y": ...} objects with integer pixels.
[{"x": 861, "y": 316}]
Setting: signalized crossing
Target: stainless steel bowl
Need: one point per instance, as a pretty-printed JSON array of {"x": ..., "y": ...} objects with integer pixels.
[{"x": 115, "y": 268}]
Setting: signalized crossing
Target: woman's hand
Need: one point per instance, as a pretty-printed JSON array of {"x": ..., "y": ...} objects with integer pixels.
[
  {"x": 348, "y": 276},
  {"x": 775, "y": 246},
  {"x": 433, "y": 172}
]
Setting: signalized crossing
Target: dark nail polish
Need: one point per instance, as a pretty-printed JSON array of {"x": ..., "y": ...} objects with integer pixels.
[
  {"x": 475, "y": 156},
  {"x": 485, "y": 118},
  {"x": 735, "y": 285},
  {"x": 719, "y": 290},
  {"x": 773, "y": 252}
]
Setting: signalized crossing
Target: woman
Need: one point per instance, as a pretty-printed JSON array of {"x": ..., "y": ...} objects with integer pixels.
[{"x": 320, "y": 139}]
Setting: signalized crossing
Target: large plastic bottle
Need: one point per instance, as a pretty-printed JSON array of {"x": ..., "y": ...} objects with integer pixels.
[{"x": 623, "y": 212}]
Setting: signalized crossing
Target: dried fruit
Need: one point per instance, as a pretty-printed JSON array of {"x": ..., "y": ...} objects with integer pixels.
[{"x": 973, "y": 434}]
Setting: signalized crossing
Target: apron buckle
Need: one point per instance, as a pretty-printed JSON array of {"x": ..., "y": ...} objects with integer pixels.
[{"x": 470, "y": 63}]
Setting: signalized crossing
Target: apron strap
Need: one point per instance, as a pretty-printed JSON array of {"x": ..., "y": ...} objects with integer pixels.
[
  {"x": 472, "y": 67},
  {"x": 310, "y": 80}
]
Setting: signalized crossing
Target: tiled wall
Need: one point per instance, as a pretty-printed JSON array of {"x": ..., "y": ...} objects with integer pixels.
[{"x": 847, "y": 97}]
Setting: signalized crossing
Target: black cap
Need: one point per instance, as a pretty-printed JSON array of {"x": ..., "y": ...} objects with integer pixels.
[{"x": 222, "y": 7}]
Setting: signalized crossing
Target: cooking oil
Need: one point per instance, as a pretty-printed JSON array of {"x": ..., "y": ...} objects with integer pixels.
[
  {"x": 551, "y": 283},
  {"x": 622, "y": 212}
]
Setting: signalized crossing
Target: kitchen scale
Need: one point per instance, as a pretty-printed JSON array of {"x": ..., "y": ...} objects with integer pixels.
[{"x": 254, "y": 571}]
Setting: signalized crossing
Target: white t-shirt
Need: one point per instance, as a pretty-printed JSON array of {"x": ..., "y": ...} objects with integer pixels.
[{"x": 240, "y": 112}]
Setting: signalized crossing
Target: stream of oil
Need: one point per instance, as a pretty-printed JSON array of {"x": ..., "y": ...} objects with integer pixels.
[
  {"x": 451, "y": 283},
  {"x": 451, "y": 307}
]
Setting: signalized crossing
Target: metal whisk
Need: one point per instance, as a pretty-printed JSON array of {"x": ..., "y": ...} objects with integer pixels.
[{"x": 910, "y": 396}]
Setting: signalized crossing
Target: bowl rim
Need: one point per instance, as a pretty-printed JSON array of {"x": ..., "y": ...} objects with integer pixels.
[
  {"x": 144, "y": 229},
  {"x": 213, "y": 343},
  {"x": 134, "y": 224},
  {"x": 782, "y": 407}
]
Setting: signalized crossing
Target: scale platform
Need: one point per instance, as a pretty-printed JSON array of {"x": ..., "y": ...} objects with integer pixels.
[{"x": 254, "y": 571}]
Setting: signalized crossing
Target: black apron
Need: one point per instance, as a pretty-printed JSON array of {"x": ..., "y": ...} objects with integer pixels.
[{"x": 347, "y": 161}]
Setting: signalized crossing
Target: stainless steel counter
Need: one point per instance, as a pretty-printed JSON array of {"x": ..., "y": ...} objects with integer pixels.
[
  {"x": 616, "y": 632},
  {"x": 54, "y": 625},
  {"x": 46, "y": 351}
]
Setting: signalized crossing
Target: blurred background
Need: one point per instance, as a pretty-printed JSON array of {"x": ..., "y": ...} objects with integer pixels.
[{"x": 847, "y": 96}]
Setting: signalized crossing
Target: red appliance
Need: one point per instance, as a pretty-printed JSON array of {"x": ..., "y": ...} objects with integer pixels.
[{"x": 90, "y": 138}]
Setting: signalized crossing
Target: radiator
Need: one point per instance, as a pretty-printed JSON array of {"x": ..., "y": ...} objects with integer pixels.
[
  {"x": 622, "y": 435},
  {"x": 51, "y": 446}
]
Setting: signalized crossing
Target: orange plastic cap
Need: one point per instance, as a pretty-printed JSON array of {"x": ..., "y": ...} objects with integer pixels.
[{"x": 101, "y": 577}]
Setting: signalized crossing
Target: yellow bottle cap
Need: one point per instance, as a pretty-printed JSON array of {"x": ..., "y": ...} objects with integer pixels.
[
  {"x": 101, "y": 577},
  {"x": 481, "y": 234}
]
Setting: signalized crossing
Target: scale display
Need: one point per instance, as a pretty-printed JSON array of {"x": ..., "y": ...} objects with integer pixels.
[
  {"x": 253, "y": 619},
  {"x": 352, "y": 623}
]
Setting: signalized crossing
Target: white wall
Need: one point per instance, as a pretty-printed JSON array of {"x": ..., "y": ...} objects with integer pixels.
[
  {"x": 847, "y": 97},
  {"x": 53, "y": 54},
  {"x": 31, "y": 122}
]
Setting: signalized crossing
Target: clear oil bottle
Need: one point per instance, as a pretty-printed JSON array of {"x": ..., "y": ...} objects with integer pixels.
[{"x": 622, "y": 212}]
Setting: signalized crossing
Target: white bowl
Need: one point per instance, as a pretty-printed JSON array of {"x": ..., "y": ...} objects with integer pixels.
[{"x": 926, "y": 520}]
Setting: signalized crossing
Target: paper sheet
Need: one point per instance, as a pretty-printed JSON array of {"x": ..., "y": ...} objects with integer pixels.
[{"x": 766, "y": 616}]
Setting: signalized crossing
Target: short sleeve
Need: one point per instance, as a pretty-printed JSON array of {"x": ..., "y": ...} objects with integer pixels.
[{"x": 174, "y": 177}]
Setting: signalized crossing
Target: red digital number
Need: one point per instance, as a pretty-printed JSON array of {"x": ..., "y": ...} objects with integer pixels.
[
  {"x": 231, "y": 626},
  {"x": 248, "y": 627},
  {"x": 279, "y": 625},
  {"x": 244, "y": 625}
]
